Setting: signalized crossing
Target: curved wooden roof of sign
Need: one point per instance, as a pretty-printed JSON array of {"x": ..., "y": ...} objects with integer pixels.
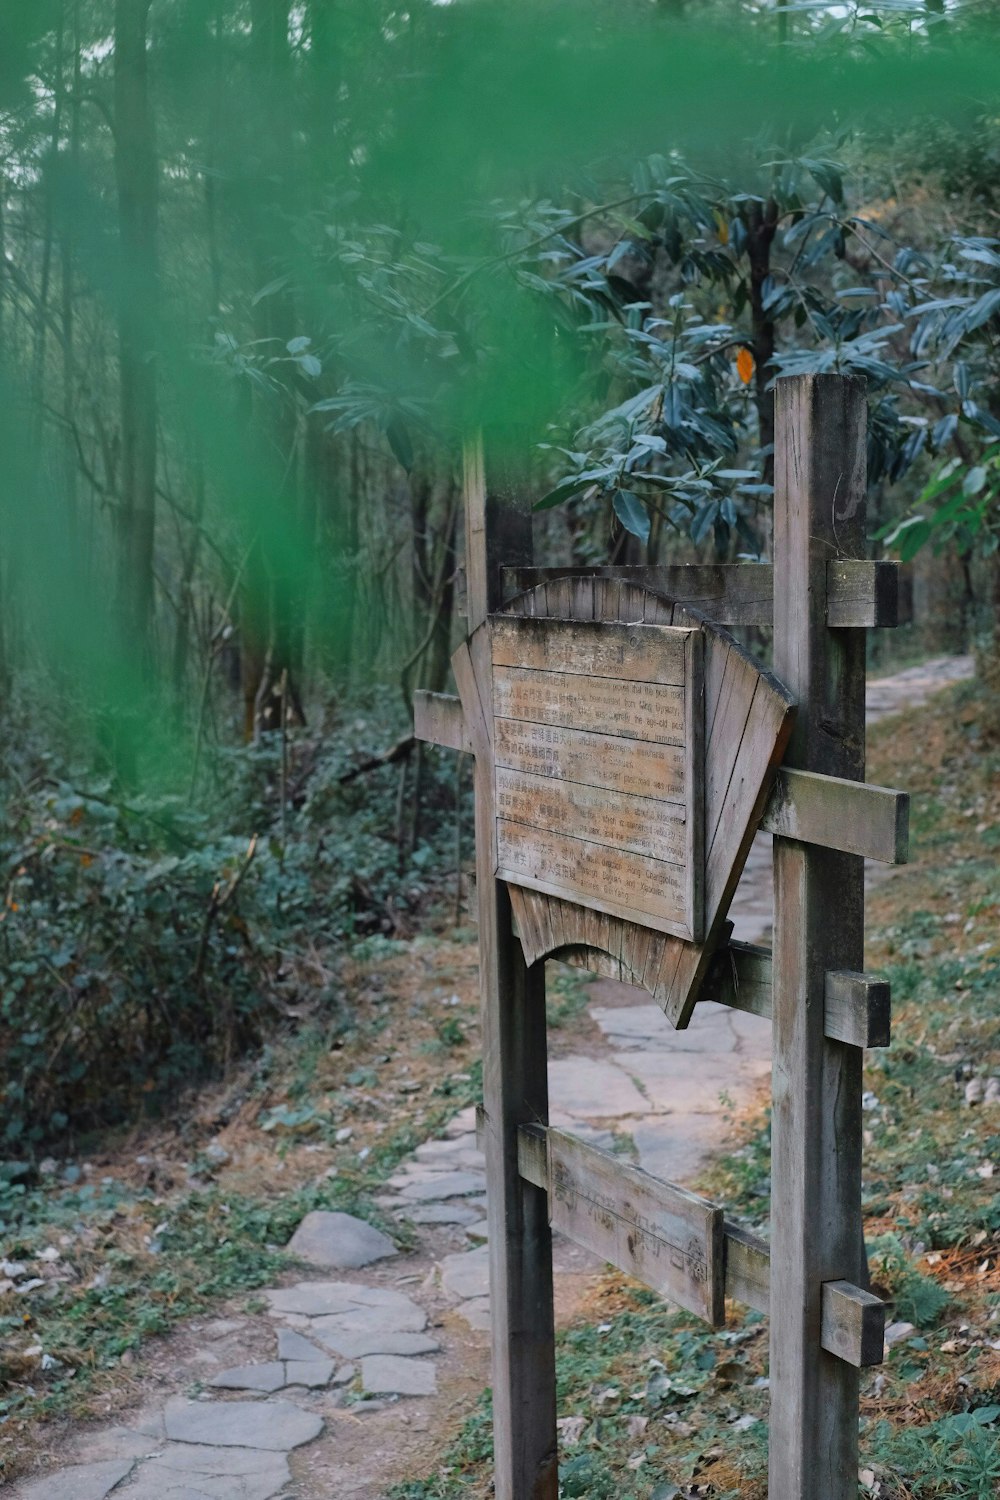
[{"x": 748, "y": 719}]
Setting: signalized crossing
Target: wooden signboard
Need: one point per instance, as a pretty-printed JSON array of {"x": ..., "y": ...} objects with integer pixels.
[
  {"x": 599, "y": 766},
  {"x": 626, "y": 749}
]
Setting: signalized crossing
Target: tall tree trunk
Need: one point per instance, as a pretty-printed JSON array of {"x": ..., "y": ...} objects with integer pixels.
[
  {"x": 68, "y": 306},
  {"x": 136, "y": 172},
  {"x": 761, "y": 222},
  {"x": 271, "y": 643}
]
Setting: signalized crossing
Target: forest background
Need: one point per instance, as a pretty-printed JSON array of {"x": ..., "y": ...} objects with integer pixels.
[{"x": 264, "y": 267}]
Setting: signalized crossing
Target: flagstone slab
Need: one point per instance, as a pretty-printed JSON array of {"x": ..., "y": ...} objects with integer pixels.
[
  {"x": 339, "y": 1241},
  {"x": 351, "y": 1345},
  {"x": 443, "y": 1185},
  {"x": 314, "y": 1374},
  {"x": 391, "y": 1375},
  {"x": 455, "y": 1212},
  {"x": 593, "y": 1088},
  {"x": 338, "y": 1331},
  {"x": 81, "y": 1482},
  {"x": 315, "y": 1299},
  {"x": 467, "y": 1273},
  {"x": 292, "y": 1345},
  {"x": 207, "y": 1472},
  {"x": 264, "y": 1377},
  {"x": 476, "y": 1312},
  {"x": 276, "y": 1426}
]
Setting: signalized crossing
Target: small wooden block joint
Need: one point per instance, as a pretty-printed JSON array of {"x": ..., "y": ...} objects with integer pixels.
[
  {"x": 853, "y": 1324},
  {"x": 857, "y": 1007}
]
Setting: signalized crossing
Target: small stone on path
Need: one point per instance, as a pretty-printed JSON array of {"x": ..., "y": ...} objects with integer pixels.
[
  {"x": 442, "y": 1185},
  {"x": 266, "y": 1377},
  {"x": 440, "y": 1213},
  {"x": 339, "y": 1241},
  {"x": 276, "y": 1426},
  {"x": 81, "y": 1482},
  {"x": 390, "y": 1375},
  {"x": 476, "y": 1313}
]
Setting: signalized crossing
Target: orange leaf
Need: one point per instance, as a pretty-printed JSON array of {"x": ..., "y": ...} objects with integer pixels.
[{"x": 744, "y": 366}]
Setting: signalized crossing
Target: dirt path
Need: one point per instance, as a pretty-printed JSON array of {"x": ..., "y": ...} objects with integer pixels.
[{"x": 346, "y": 1382}]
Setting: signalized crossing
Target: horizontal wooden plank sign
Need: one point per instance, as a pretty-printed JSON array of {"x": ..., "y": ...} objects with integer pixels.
[
  {"x": 599, "y": 766},
  {"x": 668, "y": 1238}
]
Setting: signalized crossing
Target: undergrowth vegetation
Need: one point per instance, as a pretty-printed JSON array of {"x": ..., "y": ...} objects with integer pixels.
[{"x": 149, "y": 937}]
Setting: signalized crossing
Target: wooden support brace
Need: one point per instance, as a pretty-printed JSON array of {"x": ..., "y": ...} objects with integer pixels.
[
  {"x": 834, "y": 813},
  {"x": 439, "y": 720},
  {"x": 860, "y": 593},
  {"x": 857, "y": 1007}
]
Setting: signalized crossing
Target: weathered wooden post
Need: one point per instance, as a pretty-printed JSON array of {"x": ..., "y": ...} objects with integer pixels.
[
  {"x": 819, "y": 519},
  {"x": 515, "y": 1084}
]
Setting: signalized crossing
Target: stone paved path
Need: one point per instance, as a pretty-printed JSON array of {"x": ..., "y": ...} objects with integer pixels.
[{"x": 347, "y": 1356}]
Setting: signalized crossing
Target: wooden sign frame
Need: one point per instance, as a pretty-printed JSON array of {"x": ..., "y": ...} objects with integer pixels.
[{"x": 825, "y": 1325}]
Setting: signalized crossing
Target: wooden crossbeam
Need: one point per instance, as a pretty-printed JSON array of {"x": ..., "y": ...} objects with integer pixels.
[
  {"x": 676, "y": 1242},
  {"x": 836, "y": 813},
  {"x": 438, "y": 719},
  {"x": 663, "y": 1235},
  {"x": 857, "y": 1007},
  {"x": 860, "y": 593}
]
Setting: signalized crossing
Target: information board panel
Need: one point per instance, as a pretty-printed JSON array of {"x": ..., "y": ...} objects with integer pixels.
[{"x": 599, "y": 767}]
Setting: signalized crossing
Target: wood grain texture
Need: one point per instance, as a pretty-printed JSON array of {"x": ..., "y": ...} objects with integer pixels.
[
  {"x": 852, "y": 816},
  {"x": 515, "y": 1086},
  {"x": 860, "y": 593},
  {"x": 819, "y": 913},
  {"x": 747, "y": 720},
  {"x": 857, "y": 1009},
  {"x": 852, "y": 1320},
  {"x": 593, "y": 770},
  {"x": 636, "y": 651},
  {"x": 853, "y": 1324},
  {"x": 863, "y": 594},
  {"x": 663, "y": 1235},
  {"x": 438, "y": 720}
]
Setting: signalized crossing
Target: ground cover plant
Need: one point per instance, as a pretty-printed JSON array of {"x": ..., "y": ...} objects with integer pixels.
[
  {"x": 105, "y": 1249},
  {"x": 654, "y": 1406}
]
